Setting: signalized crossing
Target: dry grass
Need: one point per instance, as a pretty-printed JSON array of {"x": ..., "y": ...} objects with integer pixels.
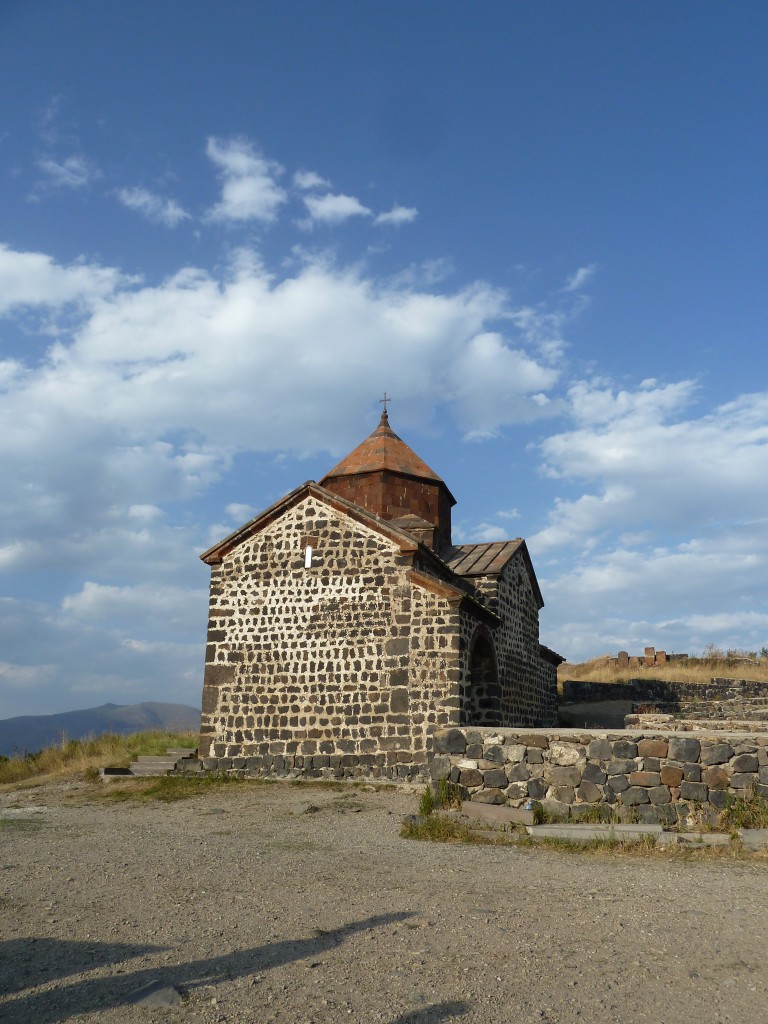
[
  {"x": 689, "y": 670},
  {"x": 83, "y": 758}
]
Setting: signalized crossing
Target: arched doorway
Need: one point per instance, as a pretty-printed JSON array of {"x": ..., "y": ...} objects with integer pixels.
[{"x": 484, "y": 704}]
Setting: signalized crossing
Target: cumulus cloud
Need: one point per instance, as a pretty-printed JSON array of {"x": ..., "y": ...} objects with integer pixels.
[
  {"x": 35, "y": 279},
  {"x": 152, "y": 207},
  {"x": 334, "y": 209},
  {"x": 250, "y": 189},
  {"x": 306, "y": 180},
  {"x": 397, "y": 215}
]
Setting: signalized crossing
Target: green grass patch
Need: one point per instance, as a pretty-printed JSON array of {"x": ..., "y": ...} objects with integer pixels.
[
  {"x": 171, "y": 788},
  {"x": 78, "y": 757},
  {"x": 438, "y": 829},
  {"x": 750, "y": 811}
]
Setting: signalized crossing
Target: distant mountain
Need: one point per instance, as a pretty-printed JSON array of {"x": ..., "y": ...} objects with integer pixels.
[{"x": 30, "y": 733}]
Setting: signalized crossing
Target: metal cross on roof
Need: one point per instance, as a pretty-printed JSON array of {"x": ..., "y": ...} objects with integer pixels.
[{"x": 383, "y": 401}]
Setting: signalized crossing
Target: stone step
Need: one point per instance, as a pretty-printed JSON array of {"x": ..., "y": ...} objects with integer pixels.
[{"x": 150, "y": 770}]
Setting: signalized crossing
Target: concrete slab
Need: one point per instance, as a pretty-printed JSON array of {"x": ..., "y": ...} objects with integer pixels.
[
  {"x": 494, "y": 812},
  {"x": 592, "y": 833},
  {"x": 754, "y": 838}
]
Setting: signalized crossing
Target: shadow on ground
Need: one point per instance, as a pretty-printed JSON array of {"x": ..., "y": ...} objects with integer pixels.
[{"x": 29, "y": 963}]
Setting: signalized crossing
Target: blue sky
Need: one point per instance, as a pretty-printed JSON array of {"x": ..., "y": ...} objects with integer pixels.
[{"x": 226, "y": 229}]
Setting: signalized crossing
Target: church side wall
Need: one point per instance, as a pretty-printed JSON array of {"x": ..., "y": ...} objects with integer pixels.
[
  {"x": 529, "y": 684},
  {"x": 344, "y": 658}
]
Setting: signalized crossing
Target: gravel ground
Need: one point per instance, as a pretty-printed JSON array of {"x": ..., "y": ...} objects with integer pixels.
[{"x": 256, "y": 913}]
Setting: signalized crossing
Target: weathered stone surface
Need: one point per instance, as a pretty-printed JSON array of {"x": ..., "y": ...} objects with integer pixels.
[
  {"x": 439, "y": 768},
  {"x": 514, "y": 752},
  {"x": 671, "y": 776},
  {"x": 474, "y": 750},
  {"x": 762, "y": 756},
  {"x": 520, "y": 791},
  {"x": 566, "y": 753},
  {"x": 744, "y": 763},
  {"x": 719, "y": 798},
  {"x": 620, "y": 767},
  {"x": 534, "y": 740},
  {"x": 593, "y": 773},
  {"x": 618, "y": 783},
  {"x": 562, "y": 794},
  {"x": 716, "y": 753},
  {"x": 600, "y": 750},
  {"x": 493, "y": 752},
  {"x": 715, "y": 777},
  {"x": 537, "y": 789},
  {"x": 762, "y": 774},
  {"x": 534, "y": 756},
  {"x": 651, "y": 764},
  {"x": 624, "y": 749},
  {"x": 644, "y": 779},
  {"x": 471, "y": 778},
  {"x": 556, "y": 809},
  {"x": 652, "y": 748},
  {"x": 449, "y": 741},
  {"x": 684, "y": 748},
  {"x": 693, "y": 791},
  {"x": 495, "y": 779},
  {"x": 634, "y": 795},
  {"x": 519, "y": 772},
  {"x": 588, "y": 792},
  {"x": 489, "y": 796},
  {"x": 744, "y": 780},
  {"x": 647, "y": 814},
  {"x": 659, "y": 795},
  {"x": 562, "y": 775},
  {"x": 495, "y": 812},
  {"x": 692, "y": 772}
]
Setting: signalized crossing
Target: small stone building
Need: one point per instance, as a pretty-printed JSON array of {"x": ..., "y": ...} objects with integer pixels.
[{"x": 344, "y": 621}]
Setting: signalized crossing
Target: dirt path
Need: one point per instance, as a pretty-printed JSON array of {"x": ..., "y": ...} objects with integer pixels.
[{"x": 256, "y": 913}]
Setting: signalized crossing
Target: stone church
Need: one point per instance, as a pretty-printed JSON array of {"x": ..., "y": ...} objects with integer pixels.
[{"x": 344, "y": 621}]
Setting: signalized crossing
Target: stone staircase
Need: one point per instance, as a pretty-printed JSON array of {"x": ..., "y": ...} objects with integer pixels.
[{"x": 161, "y": 764}]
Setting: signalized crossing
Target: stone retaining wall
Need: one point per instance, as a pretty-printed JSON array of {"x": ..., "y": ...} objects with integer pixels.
[{"x": 645, "y": 776}]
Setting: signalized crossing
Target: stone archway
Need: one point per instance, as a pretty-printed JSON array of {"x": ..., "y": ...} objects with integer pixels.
[{"x": 484, "y": 703}]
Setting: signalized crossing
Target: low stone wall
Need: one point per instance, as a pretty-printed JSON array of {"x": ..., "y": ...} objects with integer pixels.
[
  {"x": 670, "y": 723},
  {"x": 648, "y": 776},
  {"x": 645, "y": 776}
]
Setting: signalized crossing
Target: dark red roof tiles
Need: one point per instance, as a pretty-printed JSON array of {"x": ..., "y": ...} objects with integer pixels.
[{"x": 381, "y": 450}]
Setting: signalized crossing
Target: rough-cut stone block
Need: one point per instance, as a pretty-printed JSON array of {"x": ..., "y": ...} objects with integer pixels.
[
  {"x": 496, "y": 812},
  {"x": 760, "y": 790},
  {"x": 566, "y": 753},
  {"x": 493, "y": 752},
  {"x": 533, "y": 740},
  {"x": 520, "y": 791},
  {"x": 715, "y": 777},
  {"x": 694, "y": 791},
  {"x": 762, "y": 774},
  {"x": 593, "y": 773},
  {"x": 692, "y": 772},
  {"x": 644, "y": 779},
  {"x": 600, "y": 750},
  {"x": 449, "y": 741},
  {"x": 489, "y": 796},
  {"x": 563, "y": 794},
  {"x": 620, "y": 767},
  {"x": 556, "y": 809},
  {"x": 652, "y": 748},
  {"x": 534, "y": 756},
  {"x": 762, "y": 756},
  {"x": 744, "y": 763},
  {"x": 471, "y": 778},
  {"x": 399, "y": 700},
  {"x": 624, "y": 749},
  {"x": 744, "y": 780},
  {"x": 651, "y": 764},
  {"x": 588, "y": 793},
  {"x": 634, "y": 795},
  {"x": 719, "y": 798},
  {"x": 513, "y": 752},
  {"x": 671, "y": 776},
  {"x": 659, "y": 795},
  {"x": 537, "y": 788},
  {"x": 618, "y": 783},
  {"x": 562, "y": 775},
  {"x": 519, "y": 772},
  {"x": 716, "y": 753},
  {"x": 474, "y": 750},
  {"x": 684, "y": 748},
  {"x": 440, "y": 767},
  {"x": 495, "y": 779}
]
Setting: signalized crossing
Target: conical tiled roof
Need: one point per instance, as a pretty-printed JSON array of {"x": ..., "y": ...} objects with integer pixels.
[{"x": 383, "y": 450}]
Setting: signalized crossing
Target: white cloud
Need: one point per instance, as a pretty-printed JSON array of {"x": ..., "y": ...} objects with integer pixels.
[
  {"x": 580, "y": 277},
  {"x": 485, "y": 532},
  {"x": 73, "y": 172},
  {"x": 308, "y": 180},
  {"x": 97, "y": 601},
  {"x": 250, "y": 190},
  {"x": 35, "y": 279},
  {"x": 334, "y": 209},
  {"x": 397, "y": 215},
  {"x": 153, "y": 207},
  {"x": 239, "y": 512},
  {"x": 23, "y": 676}
]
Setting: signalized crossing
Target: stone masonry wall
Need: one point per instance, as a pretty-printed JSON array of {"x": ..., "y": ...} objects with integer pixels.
[
  {"x": 347, "y": 657},
  {"x": 653, "y": 778},
  {"x": 529, "y": 684}
]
